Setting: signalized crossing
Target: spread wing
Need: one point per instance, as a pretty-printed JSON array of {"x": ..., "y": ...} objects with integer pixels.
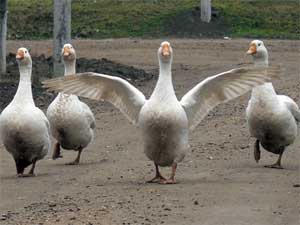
[
  {"x": 222, "y": 88},
  {"x": 117, "y": 91}
]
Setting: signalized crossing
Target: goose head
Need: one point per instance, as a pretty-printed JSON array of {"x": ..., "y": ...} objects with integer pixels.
[
  {"x": 258, "y": 51},
  {"x": 23, "y": 58},
  {"x": 68, "y": 53},
  {"x": 165, "y": 53}
]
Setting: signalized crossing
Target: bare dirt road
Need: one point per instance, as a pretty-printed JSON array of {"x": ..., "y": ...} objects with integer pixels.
[{"x": 219, "y": 182}]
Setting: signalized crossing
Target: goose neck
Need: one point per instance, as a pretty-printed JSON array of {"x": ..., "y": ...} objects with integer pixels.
[
  {"x": 266, "y": 90},
  {"x": 165, "y": 74},
  {"x": 70, "y": 67},
  {"x": 261, "y": 60},
  {"x": 164, "y": 87},
  {"x": 24, "y": 91}
]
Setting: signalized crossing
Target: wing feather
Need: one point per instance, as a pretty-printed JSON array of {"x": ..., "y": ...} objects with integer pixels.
[
  {"x": 117, "y": 91},
  {"x": 221, "y": 88}
]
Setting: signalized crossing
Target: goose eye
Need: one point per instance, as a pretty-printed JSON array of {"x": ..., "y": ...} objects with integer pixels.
[{"x": 259, "y": 44}]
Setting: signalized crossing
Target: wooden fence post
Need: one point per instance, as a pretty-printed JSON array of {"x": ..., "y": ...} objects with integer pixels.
[
  {"x": 61, "y": 32},
  {"x": 206, "y": 10},
  {"x": 3, "y": 33}
]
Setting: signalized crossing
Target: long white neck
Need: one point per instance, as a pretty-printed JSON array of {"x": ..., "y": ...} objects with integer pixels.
[
  {"x": 262, "y": 60},
  {"x": 24, "y": 92},
  {"x": 164, "y": 87},
  {"x": 265, "y": 90},
  {"x": 70, "y": 67}
]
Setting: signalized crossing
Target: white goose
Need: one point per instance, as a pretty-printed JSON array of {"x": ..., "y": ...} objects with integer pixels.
[
  {"x": 24, "y": 129},
  {"x": 72, "y": 121},
  {"x": 164, "y": 121},
  {"x": 271, "y": 118}
]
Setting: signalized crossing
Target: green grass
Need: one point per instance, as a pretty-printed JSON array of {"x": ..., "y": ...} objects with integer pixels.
[
  {"x": 262, "y": 18},
  {"x": 33, "y": 19},
  {"x": 124, "y": 18}
]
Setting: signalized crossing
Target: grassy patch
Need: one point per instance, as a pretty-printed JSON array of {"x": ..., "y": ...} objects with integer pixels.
[
  {"x": 30, "y": 19},
  {"x": 123, "y": 18},
  {"x": 261, "y": 18},
  {"x": 33, "y": 19}
]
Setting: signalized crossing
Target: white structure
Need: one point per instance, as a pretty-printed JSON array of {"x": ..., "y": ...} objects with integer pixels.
[
  {"x": 61, "y": 32},
  {"x": 3, "y": 32},
  {"x": 205, "y": 10}
]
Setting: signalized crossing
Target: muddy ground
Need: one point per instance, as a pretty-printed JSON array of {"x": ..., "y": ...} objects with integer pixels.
[
  {"x": 219, "y": 182},
  {"x": 42, "y": 70}
]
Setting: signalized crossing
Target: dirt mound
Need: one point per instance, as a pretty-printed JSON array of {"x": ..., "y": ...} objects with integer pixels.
[
  {"x": 8, "y": 90},
  {"x": 189, "y": 24},
  {"x": 109, "y": 67},
  {"x": 42, "y": 68}
]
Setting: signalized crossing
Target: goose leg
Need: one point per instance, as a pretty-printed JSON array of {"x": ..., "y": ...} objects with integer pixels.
[
  {"x": 256, "y": 151},
  {"x": 76, "y": 161},
  {"x": 158, "y": 177},
  {"x": 20, "y": 169},
  {"x": 277, "y": 165},
  {"x": 31, "y": 171},
  {"x": 56, "y": 151},
  {"x": 171, "y": 180}
]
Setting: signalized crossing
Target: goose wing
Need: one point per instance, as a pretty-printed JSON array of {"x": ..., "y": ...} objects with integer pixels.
[
  {"x": 291, "y": 105},
  {"x": 128, "y": 99},
  {"x": 222, "y": 88}
]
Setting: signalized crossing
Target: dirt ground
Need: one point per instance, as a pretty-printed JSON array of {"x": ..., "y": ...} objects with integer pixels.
[{"x": 219, "y": 183}]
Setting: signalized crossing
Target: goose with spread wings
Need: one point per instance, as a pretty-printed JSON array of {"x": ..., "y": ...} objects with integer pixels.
[{"x": 164, "y": 121}]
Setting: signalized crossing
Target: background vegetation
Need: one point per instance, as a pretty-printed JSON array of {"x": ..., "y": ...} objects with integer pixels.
[{"x": 33, "y": 19}]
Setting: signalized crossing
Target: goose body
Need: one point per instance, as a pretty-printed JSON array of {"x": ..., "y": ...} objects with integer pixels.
[
  {"x": 164, "y": 121},
  {"x": 24, "y": 129},
  {"x": 272, "y": 119},
  {"x": 164, "y": 129},
  {"x": 72, "y": 121}
]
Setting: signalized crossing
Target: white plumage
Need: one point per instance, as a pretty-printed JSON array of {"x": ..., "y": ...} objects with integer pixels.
[
  {"x": 24, "y": 129},
  {"x": 164, "y": 121},
  {"x": 271, "y": 118},
  {"x": 72, "y": 121}
]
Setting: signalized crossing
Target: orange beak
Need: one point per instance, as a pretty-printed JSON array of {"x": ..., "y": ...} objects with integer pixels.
[
  {"x": 165, "y": 50},
  {"x": 20, "y": 54},
  {"x": 252, "y": 49},
  {"x": 66, "y": 51}
]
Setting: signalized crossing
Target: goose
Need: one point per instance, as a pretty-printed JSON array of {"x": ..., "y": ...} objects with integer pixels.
[
  {"x": 272, "y": 119},
  {"x": 72, "y": 122},
  {"x": 24, "y": 128},
  {"x": 164, "y": 122}
]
